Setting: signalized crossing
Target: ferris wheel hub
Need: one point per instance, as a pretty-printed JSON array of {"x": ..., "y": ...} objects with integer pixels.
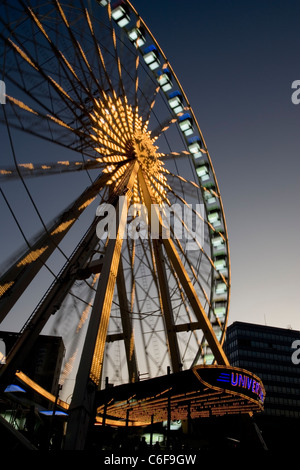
[{"x": 146, "y": 152}]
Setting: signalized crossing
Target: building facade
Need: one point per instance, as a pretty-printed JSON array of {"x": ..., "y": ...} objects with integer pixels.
[
  {"x": 43, "y": 363},
  {"x": 270, "y": 353},
  {"x": 274, "y": 355}
]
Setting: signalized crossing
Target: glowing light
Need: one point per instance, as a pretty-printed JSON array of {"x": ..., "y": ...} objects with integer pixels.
[
  {"x": 59, "y": 121},
  {"x": 22, "y": 54},
  {"x": 60, "y": 88},
  {"x": 32, "y": 256},
  {"x": 5, "y": 287},
  {"x": 123, "y": 136},
  {"x": 63, "y": 226},
  {"x": 86, "y": 204},
  {"x": 40, "y": 390},
  {"x": 83, "y": 318},
  {"x": 21, "y": 104},
  {"x": 27, "y": 165},
  {"x": 68, "y": 368}
]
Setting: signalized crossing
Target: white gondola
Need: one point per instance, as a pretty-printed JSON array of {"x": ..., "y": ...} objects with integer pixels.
[
  {"x": 151, "y": 57},
  {"x": 120, "y": 15}
]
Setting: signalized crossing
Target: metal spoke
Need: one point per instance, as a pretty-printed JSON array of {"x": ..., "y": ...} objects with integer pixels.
[{"x": 30, "y": 170}]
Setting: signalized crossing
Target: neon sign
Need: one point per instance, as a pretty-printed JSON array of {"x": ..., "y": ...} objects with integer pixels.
[{"x": 239, "y": 380}]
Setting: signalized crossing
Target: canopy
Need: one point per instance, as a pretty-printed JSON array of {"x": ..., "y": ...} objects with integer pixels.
[{"x": 201, "y": 391}]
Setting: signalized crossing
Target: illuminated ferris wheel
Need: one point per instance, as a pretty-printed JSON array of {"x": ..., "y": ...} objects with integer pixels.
[{"x": 107, "y": 181}]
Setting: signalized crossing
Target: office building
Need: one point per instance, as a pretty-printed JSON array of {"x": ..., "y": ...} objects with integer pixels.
[{"x": 272, "y": 354}]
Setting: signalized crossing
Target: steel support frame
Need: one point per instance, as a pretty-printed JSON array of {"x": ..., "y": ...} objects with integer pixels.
[
  {"x": 82, "y": 411},
  {"x": 47, "y": 307},
  {"x": 21, "y": 276},
  {"x": 53, "y": 298},
  {"x": 128, "y": 334}
]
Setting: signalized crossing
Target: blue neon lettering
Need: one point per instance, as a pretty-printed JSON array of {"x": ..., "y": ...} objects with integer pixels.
[
  {"x": 242, "y": 380},
  {"x": 234, "y": 382}
]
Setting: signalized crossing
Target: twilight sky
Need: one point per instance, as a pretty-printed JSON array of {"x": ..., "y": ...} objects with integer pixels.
[{"x": 236, "y": 61}]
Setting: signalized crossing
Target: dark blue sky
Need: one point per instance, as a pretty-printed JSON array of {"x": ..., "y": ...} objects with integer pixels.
[{"x": 236, "y": 61}]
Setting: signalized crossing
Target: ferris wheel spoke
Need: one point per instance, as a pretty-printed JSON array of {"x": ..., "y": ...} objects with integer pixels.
[
  {"x": 117, "y": 58},
  {"x": 100, "y": 59},
  {"x": 142, "y": 329},
  {"x": 154, "y": 92},
  {"x": 190, "y": 323},
  {"x": 70, "y": 104},
  {"x": 23, "y": 271},
  {"x": 196, "y": 213},
  {"x": 138, "y": 264},
  {"x": 155, "y": 298},
  {"x": 196, "y": 305},
  {"x": 49, "y": 118},
  {"x": 177, "y": 176},
  {"x": 136, "y": 81},
  {"x": 60, "y": 56},
  {"x": 219, "y": 260},
  {"x": 162, "y": 298},
  {"x": 195, "y": 240},
  {"x": 175, "y": 156},
  {"x": 133, "y": 89},
  {"x": 144, "y": 289},
  {"x": 193, "y": 271},
  {"x": 87, "y": 72},
  {"x": 150, "y": 106},
  {"x": 23, "y": 119},
  {"x": 110, "y": 102},
  {"x": 192, "y": 235},
  {"x": 108, "y": 135},
  {"x": 30, "y": 170},
  {"x": 83, "y": 59},
  {"x": 163, "y": 127}
]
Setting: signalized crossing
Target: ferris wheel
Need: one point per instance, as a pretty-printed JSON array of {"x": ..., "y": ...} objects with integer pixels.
[{"x": 108, "y": 183}]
